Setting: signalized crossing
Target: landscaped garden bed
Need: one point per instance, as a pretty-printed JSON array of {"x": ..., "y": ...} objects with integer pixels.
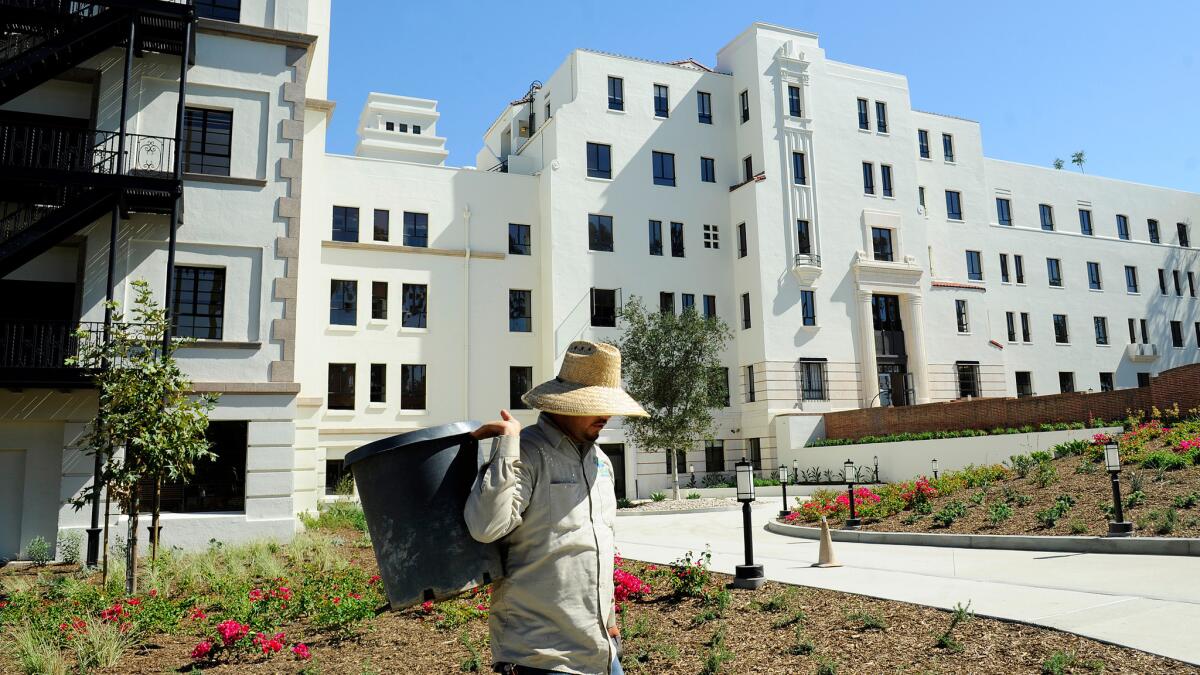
[{"x": 1063, "y": 491}]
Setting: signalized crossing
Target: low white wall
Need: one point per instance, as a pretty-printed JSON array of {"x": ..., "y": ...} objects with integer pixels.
[
  {"x": 764, "y": 492},
  {"x": 905, "y": 460},
  {"x": 193, "y": 531}
]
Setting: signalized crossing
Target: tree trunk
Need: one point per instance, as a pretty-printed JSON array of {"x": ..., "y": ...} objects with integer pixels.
[
  {"x": 675, "y": 471},
  {"x": 131, "y": 551},
  {"x": 154, "y": 517},
  {"x": 104, "y": 550}
]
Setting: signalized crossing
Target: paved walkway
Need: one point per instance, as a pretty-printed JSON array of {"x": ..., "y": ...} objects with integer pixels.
[{"x": 1150, "y": 603}]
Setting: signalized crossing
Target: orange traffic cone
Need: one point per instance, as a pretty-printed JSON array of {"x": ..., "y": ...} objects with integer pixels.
[{"x": 825, "y": 557}]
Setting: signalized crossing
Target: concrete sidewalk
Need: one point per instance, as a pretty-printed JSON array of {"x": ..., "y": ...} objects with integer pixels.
[{"x": 1146, "y": 602}]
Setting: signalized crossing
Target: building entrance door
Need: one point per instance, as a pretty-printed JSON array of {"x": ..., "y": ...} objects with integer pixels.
[
  {"x": 616, "y": 455},
  {"x": 895, "y": 384}
]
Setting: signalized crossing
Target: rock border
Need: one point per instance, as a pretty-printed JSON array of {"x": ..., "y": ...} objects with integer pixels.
[
  {"x": 1011, "y": 542},
  {"x": 634, "y": 512}
]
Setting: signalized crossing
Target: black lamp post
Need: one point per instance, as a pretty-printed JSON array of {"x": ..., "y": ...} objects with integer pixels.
[
  {"x": 749, "y": 576},
  {"x": 783, "y": 481},
  {"x": 796, "y": 470},
  {"x": 853, "y": 522},
  {"x": 935, "y": 469},
  {"x": 1112, "y": 459},
  {"x": 875, "y": 476}
]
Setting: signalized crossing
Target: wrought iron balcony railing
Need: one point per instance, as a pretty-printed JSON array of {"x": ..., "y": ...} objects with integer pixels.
[
  {"x": 76, "y": 150},
  {"x": 810, "y": 259},
  {"x": 43, "y": 344},
  {"x": 61, "y": 13}
]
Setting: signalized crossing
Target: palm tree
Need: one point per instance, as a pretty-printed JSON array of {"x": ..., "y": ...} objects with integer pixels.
[
  {"x": 1078, "y": 160},
  {"x": 1058, "y": 163}
]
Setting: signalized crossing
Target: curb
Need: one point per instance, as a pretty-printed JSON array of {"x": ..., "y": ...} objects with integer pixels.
[
  {"x": 713, "y": 509},
  {"x": 1009, "y": 542}
]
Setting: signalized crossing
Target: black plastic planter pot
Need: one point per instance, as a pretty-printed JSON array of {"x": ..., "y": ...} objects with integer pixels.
[{"x": 413, "y": 487}]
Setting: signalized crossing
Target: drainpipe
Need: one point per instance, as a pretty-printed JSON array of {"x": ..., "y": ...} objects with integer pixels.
[{"x": 467, "y": 315}]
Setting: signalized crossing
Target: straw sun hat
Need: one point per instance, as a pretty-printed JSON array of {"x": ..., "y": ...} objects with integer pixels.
[{"x": 589, "y": 383}]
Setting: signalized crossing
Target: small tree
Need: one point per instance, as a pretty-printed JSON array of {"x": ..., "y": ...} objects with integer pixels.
[
  {"x": 671, "y": 365},
  {"x": 145, "y": 410},
  {"x": 1078, "y": 159},
  {"x": 1058, "y": 163}
]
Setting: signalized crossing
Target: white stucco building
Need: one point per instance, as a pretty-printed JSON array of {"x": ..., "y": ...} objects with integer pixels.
[{"x": 862, "y": 252}]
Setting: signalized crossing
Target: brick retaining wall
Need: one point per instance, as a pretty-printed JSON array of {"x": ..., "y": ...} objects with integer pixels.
[{"x": 1178, "y": 385}]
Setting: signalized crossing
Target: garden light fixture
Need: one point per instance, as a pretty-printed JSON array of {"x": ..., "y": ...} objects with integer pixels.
[
  {"x": 935, "y": 469},
  {"x": 1118, "y": 527},
  {"x": 745, "y": 480},
  {"x": 749, "y": 576},
  {"x": 783, "y": 481},
  {"x": 796, "y": 470},
  {"x": 853, "y": 522},
  {"x": 875, "y": 476}
]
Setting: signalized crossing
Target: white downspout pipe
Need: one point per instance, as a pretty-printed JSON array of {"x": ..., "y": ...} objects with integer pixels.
[{"x": 467, "y": 315}]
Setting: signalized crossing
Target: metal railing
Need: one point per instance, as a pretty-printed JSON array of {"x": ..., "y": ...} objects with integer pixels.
[
  {"x": 44, "y": 344},
  {"x": 889, "y": 343},
  {"x": 77, "y": 150},
  {"x": 68, "y": 12},
  {"x": 810, "y": 259},
  {"x": 15, "y": 222}
]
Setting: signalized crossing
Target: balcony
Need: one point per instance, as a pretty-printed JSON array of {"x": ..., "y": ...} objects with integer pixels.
[
  {"x": 35, "y": 353},
  {"x": 889, "y": 343},
  {"x": 806, "y": 268},
  {"x": 1142, "y": 353},
  {"x": 57, "y": 154}
]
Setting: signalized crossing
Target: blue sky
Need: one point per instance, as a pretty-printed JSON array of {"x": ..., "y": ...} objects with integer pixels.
[{"x": 1119, "y": 80}]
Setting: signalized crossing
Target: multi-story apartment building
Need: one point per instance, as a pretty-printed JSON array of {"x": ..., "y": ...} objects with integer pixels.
[{"x": 863, "y": 254}]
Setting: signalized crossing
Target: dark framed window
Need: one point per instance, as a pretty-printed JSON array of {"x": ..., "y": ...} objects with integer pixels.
[
  {"x": 1101, "y": 325},
  {"x": 662, "y": 100},
  {"x": 616, "y": 93},
  {"x": 755, "y": 447},
  {"x": 1106, "y": 381},
  {"x": 666, "y": 302},
  {"x": 885, "y": 179},
  {"x": 749, "y": 375},
  {"x": 954, "y": 205},
  {"x": 868, "y": 178},
  {"x": 600, "y": 232},
  {"x": 1054, "y": 271},
  {"x": 412, "y": 386},
  {"x": 974, "y": 266},
  {"x": 1019, "y": 268},
  {"x": 1182, "y": 230},
  {"x": 881, "y": 244},
  {"x": 198, "y": 305},
  {"x": 808, "y": 308},
  {"x": 803, "y": 238},
  {"x": 1010, "y": 320},
  {"x": 948, "y": 147},
  {"x": 519, "y": 242},
  {"x": 1143, "y": 379},
  {"x": 744, "y": 104},
  {"x": 343, "y": 302},
  {"x": 1145, "y": 333},
  {"x": 968, "y": 379},
  {"x": 813, "y": 380},
  {"x": 687, "y": 301},
  {"x": 1085, "y": 222},
  {"x": 1197, "y": 327},
  {"x": 599, "y": 160},
  {"x": 1004, "y": 278},
  {"x": 1162, "y": 281},
  {"x": 680, "y": 457},
  {"x": 334, "y": 470},
  {"x": 794, "y": 108},
  {"x": 1066, "y": 382},
  {"x": 378, "y": 383},
  {"x": 1094, "y": 282},
  {"x": 704, "y": 107},
  {"x": 218, "y": 484},
  {"x": 656, "y": 237},
  {"x": 710, "y": 306},
  {"x": 1175, "y": 278},
  {"x": 708, "y": 170},
  {"x": 416, "y": 229},
  {"x": 1061, "y": 335},
  {"x": 1131, "y": 279},
  {"x": 345, "y": 223},
  {"x": 741, "y": 237},
  {"x": 921, "y": 195},
  {"x": 664, "y": 168},
  {"x": 714, "y": 456},
  {"x": 382, "y": 224},
  {"x": 1003, "y": 211},
  {"x": 923, "y": 143},
  {"x": 799, "y": 173},
  {"x": 960, "y": 315},
  {"x": 1047, "y": 214},
  {"x": 1152, "y": 231},
  {"x": 340, "y": 392},
  {"x": 745, "y": 311},
  {"x": 1191, "y": 284},
  {"x": 718, "y": 385},
  {"x": 222, "y": 10},
  {"x": 520, "y": 311},
  {"x": 1122, "y": 226},
  {"x": 712, "y": 236},
  {"x": 881, "y": 122},
  {"x": 414, "y": 313},
  {"x": 520, "y": 380},
  {"x": 1132, "y": 332},
  {"x": 677, "y": 240},
  {"x": 604, "y": 307},
  {"x": 1177, "y": 334},
  {"x": 864, "y": 115},
  {"x": 1024, "y": 383},
  {"x": 379, "y": 300},
  {"x": 207, "y": 139},
  {"x": 748, "y": 168}
]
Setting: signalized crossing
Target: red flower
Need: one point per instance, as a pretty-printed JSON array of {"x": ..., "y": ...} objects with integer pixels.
[
  {"x": 372, "y": 581},
  {"x": 231, "y": 631},
  {"x": 336, "y": 600},
  {"x": 356, "y": 596},
  {"x": 301, "y": 651},
  {"x": 427, "y": 607},
  {"x": 202, "y": 649},
  {"x": 133, "y": 601},
  {"x": 198, "y": 614},
  {"x": 154, "y": 592},
  {"x": 63, "y": 626},
  {"x": 256, "y": 595}
]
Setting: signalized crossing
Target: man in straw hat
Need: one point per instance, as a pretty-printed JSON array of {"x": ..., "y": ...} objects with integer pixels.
[{"x": 547, "y": 495}]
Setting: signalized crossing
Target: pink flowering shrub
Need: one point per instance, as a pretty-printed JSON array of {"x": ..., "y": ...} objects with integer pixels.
[
  {"x": 301, "y": 651},
  {"x": 626, "y": 585}
]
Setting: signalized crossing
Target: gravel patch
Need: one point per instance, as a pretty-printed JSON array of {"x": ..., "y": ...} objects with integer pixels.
[{"x": 682, "y": 505}]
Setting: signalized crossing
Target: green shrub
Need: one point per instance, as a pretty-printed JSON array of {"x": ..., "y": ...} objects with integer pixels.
[
  {"x": 1022, "y": 464},
  {"x": 791, "y": 619},
  {"x": 335, "y": 516},
  {"x": 474, "y": 661},
  {"x": 718, "y": 653},
  {"x": 999, "y": 512},
  {"x": 689, "y": 576},
  {"x": 867, "y": 620},
  {"x": 1045, "y": 474},
  {"x": 979, "y": 496},
  {"x": 1077, "y": 526},
  {"x": 826, "y": 666},
  {"x": 1187, "y": 501},
  {"x": 693, "y": 495},
  {"x": 1062, "y": 504},
  {"x": 1061, "y": 663},
  {"x": 1087, "y": 467},
  {"x": 714, "y": 480},
  {"x": 1161, "y": 521},
  {"x": 1135, "y": 481},
  {"x": 623, "y": 503},
  {"x": 101, "y": 644},
  {"x": 960, "y": 614},
  {"x": 910, "y": 519},
  {"x": 774, "y": 603},
  {"x": 68, "y": 546},
  {"x": 949, "y": 513},
  {"x": 1040, "y": 456},
  {"x": 658, "y": 496},
  {"x": 36, "y": 652},
  {"x": 802, "y": 645},
  {"x": 1071, "y": 448},
  {"x": 981, "y": 476},
  {"x": 345, "y": 484},
  {"x": 1165, "y": 460},
  {"x": 1135, "y": 498},
  {"x": 38, "y": 551}
]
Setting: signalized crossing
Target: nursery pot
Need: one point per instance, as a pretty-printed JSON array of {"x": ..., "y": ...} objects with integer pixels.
[{"x": 413, "y": 487}]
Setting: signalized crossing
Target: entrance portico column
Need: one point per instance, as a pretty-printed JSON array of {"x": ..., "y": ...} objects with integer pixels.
[
  {"x": 914, "y": 334},
  {"x": 870, "y": 371}
]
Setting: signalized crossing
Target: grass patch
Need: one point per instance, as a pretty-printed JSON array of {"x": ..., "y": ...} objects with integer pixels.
[
  {"x": 1061, "y": 663},
  {"x": 336, "y": 516},
  {"x": 867, "y": 620}
]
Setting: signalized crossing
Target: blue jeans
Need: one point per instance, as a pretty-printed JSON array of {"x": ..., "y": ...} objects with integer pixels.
[{"x": 616, "y": 663}]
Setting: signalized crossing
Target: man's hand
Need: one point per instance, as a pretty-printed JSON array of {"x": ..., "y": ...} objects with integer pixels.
[
  {"x": 505, "y": 426},
  {"x": 613, "y": 631}
]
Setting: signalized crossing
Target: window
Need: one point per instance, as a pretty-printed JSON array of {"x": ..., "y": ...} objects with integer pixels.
[
  {"x": 885, "y": 177},
  {"x": 1066, "y": 382},
  {"x": 661, "y": 100},
  {"x": 1093, "y": 269},
  {"x": 604, "y": 307},
  {"x": 1175, "y": 278},
  {"x": 1132, "y": 332},
  {"x": 704, "y": 107},
  {"x": 656, "y": 240},
  {"x": 1054, "y": 272},
  {"x": 1004, "y": 278},
  {"x": 1025, "y": 335},
  {"x": 207, "y": 140},
  {"x": 198, "y": 305},
  {"x": 345, "y": 223},
  {"x": 680, "y": 457},
  {"x": 868, "y": 178},
  {"x": 1197, "y": 326},
  {"x": 974, "y": 266},
  {"x": 744, "y": 101},
  {"x": 1101, "y": 324},
  {"x": 599, "y": 160},
  {"x": 687, "y": 301},
  {"x": 799, "y": 175},
  {"x": 1162, "y": 281},
  {"x": 676, "y": 240},
  {"x": 714, "y": 456},
  {"x": 813, "y": 380},
  {"x": 1106, "y": 381},
  {"x": 616, "y": 93},
  {"x": 1024, "y": 383},
  {"x": 881, "y": 243},
  {"x": 808, "y": 308},
  {"x": 1003, "y": 211},
  {"x": 960, "y": 313},
  {"x": 666, "y": 302},
  {"x": 1011, "y": 320},
  {"x": 864, "y": 118},
  {"x": 1182, "y": 229},
  {"x": 340, "y": 394},
  {"x": 712, "y": 236},
  {"x": 403, "y": 128},
  {"x": 748, "y": 168},
  {"x": 745, "y": 311},
  {"x": 881, "y": 124},
  {"x": 803, "y": 238},
  {"x": 414, "y": 309},
  {"x": 383, "y": 219},
  {"x": 741, "y": 235},
  {"x": 1085, "y": 222},
  {"x": 921, "y": 195},
  {"x": 1047, "y": 213},
  {"x": 664, "y": 168},
  {"x": 755, "y": 446},
  {"x": 343, "y": 302},
  {"x": 968, "y": 378},
  {"x": 1191, "y": 284},
  {"x": 1061, "y": 336},
  {"x": 1152, "y": 230},
  {"x": 412, "y": 387},
  {"x": 1177, "y": 334},
  {"x": 416, "y": 229},
  {"x": 954, "y": 205},
  {"x": 334, "y": 471},
  {"x": 378, "y": 383},
  {"x": 520, "y": 380},
  {"x": 547, "y": 110},
  {"x": 710, "y": 306},
  {"x": 749, "y": 384},
  {"x": 794, "y": 101},
  {"x": 417, "y": 127},
  {"x": 948, "y": 147},
  {"x": 923, "y": 143},
  {"x": 1122, "y": 226},
  {"x": 519, "y": 242},
  {"x": 379, "y": 297},
  {"x": 600, "y": 232},
  {"x": 1145, "y": 333},
  {"x": 520, "y": 311},
  {"x": 708, "y": 170},
  {"x": 1131, "y": 280},
  {"x": 1143, "y": 379},
  {"x": 223, "y": 10}
]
